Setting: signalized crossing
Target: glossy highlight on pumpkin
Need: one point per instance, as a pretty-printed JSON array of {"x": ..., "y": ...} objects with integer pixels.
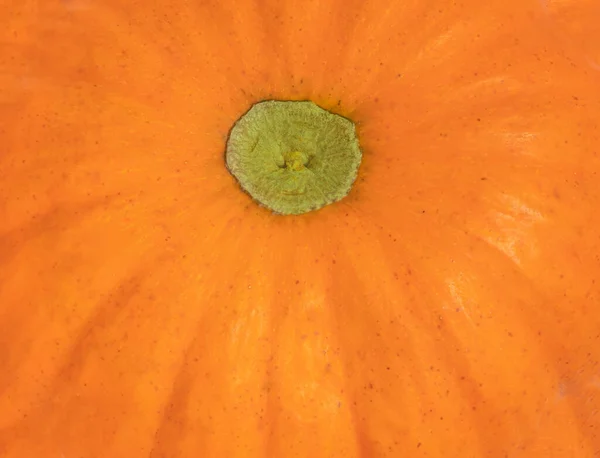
[{"x": 446, "y": 307}]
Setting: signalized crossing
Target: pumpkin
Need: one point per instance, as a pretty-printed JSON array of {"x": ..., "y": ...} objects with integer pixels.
[{"x": 447, "y": 306}]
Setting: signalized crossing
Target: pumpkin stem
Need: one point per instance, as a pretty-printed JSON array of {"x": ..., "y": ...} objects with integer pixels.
[{"x": 293, "y": 157}]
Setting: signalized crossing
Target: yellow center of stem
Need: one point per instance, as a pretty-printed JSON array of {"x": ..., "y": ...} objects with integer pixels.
[{"x": 295, "y": 160}]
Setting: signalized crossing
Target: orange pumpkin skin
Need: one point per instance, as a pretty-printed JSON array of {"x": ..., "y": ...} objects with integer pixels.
[{"x": 448, "y": 307}]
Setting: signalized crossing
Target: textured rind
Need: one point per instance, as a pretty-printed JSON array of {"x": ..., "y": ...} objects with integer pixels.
[
  {"x": 447, "y": 307},
  {"x": 270, "y": 129}
]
